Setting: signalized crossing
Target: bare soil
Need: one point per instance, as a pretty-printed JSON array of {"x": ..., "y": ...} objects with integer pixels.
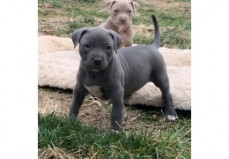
[{"x": 95, "y": 112}]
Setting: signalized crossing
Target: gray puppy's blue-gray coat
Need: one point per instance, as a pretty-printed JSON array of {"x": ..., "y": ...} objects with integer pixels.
[{"x": 114, "y": 74}]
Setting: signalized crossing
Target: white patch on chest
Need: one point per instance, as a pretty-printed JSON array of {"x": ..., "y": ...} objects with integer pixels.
[{"x": 94, "y": 91}]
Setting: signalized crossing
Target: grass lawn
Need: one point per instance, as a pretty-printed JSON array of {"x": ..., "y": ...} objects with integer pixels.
[
  {"x": 146, "y": 134},
  {"x": 67, "y": 137}
]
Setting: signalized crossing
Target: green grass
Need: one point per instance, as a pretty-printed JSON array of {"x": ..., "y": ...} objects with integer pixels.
[
  {"x": 174, "y": 24},
  {"x": 172, "y": 38},
  {"x": 184, "y": 0},
  {"x": 141, "y": 39},
  {"x": 70, "y": 135}
]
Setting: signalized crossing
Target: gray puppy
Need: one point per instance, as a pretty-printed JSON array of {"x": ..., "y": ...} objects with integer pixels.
[{"x": 114, "y": 74}]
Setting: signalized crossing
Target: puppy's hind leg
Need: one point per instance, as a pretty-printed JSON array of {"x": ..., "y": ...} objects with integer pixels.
[{"x": 162, "y": 81}]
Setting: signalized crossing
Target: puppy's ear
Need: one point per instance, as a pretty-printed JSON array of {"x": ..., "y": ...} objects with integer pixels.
[
  {"x": 116, "y": 38},
  {"x": 135, "y": 6},
  {"x": 110, "y": 3},
  {"x": 76, "y": 36}
]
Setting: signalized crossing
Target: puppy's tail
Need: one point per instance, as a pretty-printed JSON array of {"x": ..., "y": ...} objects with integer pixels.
[{"x": 157, "y": 39}]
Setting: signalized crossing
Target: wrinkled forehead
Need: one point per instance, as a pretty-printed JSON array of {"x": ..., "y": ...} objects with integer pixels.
[
  {"x": 122, "y": 5},
  {"x": 97, "y": 35}
]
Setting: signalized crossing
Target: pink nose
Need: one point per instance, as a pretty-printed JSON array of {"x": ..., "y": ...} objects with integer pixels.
[{"x": 123, "y": 20}]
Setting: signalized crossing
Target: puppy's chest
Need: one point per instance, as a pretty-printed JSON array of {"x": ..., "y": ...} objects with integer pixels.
[
  {"x": 96, "y": 91},
  {"x": 122, "y": 29}
]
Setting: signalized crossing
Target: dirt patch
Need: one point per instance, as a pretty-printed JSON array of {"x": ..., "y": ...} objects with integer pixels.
[
  {"x": 51, "y": 100},
  {"x": 57, "y": 153},
  {"x": 95, "y": 112},
  {"x": 51, "y": 25}
]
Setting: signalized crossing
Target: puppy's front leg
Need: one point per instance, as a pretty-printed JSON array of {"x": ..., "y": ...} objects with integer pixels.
[
  {"x": 117, "y": 106},
  {"x": 126, "y": 39},
  {"x": 79, "y": 94},
  {"x": 129, "y": 42}
]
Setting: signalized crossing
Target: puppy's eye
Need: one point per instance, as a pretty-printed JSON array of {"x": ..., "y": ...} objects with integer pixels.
[
  {"x": 87, "y": 45},
  {"x": 129, "y": 11},
  {"x": 116, "y": 10},
  {"x": 108, "y": 47}
]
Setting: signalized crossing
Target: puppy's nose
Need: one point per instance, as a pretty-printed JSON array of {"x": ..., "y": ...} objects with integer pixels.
[
  {"x": 97, "y": 61},
  {"x": 123, "y": 20}
]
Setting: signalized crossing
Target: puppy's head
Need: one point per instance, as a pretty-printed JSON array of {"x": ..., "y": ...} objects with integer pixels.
[
  {"x": 122, "y": 11},
  {"x": 96, "y": 47}
]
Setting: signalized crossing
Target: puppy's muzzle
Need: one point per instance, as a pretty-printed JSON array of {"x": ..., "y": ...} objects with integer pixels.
[
  {"x": 96, "y": 64},
  {"x": 123, "y": 20},
  {"x": 97, "y": 61}
]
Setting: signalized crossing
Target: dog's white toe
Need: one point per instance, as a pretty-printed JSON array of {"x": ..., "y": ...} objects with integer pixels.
[
  {"x": 114, "y": 131},
  {"x": 171, "y": 117}
]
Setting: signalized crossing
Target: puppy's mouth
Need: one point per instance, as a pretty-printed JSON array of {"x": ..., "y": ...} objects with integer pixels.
[
  {"x": 95, "y": 68},
  {"x": 95, "y": 64}
]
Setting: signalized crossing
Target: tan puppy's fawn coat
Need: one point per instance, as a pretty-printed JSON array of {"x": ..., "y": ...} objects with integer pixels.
[{"x": 121, "y": 12}]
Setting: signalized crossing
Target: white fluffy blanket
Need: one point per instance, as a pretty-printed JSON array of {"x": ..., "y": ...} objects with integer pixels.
[{"x": 58, "y": 64}]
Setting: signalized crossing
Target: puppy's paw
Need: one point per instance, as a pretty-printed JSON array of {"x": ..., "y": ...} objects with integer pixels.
[
  {"x": 115, "y": 131},
  {"x": 171, "y": 115},
  {"x": 72, "y": 115}
]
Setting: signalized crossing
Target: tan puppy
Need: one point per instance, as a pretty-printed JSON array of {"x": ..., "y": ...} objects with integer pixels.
[{"x": 121, "y": 12}]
